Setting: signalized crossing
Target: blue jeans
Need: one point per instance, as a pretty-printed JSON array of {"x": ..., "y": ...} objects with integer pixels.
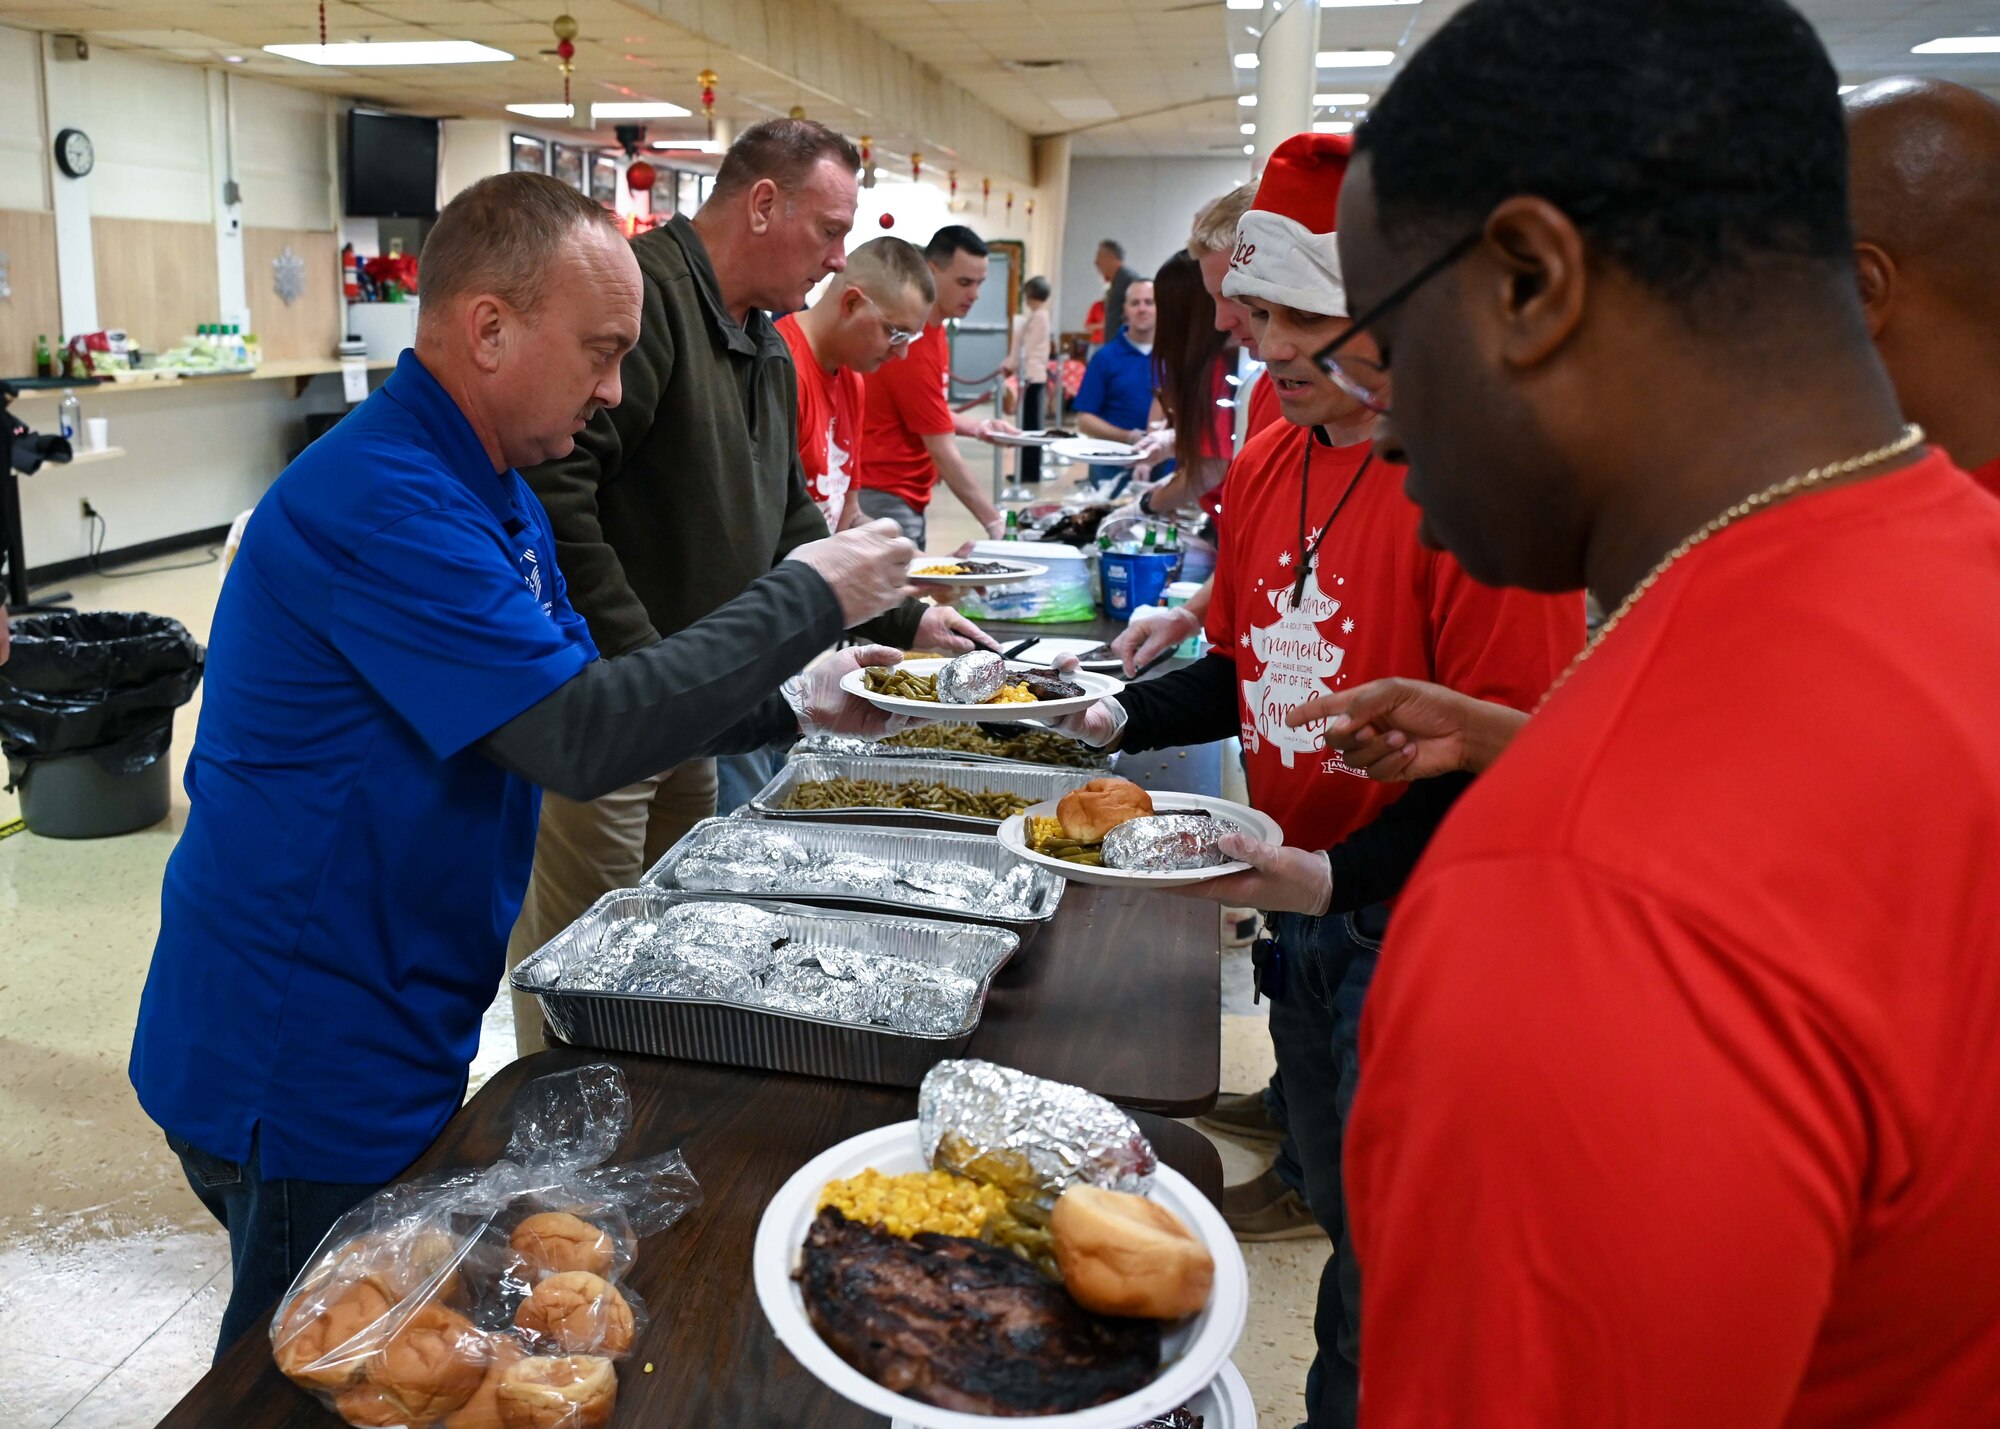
[
  {"x": 740, "y": 777},
  {"x": 274, "y": 1227},
  {"x": 1328, "y": 964}
]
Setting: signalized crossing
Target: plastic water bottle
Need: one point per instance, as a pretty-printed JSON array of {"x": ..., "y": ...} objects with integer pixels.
[{"x": 72, "y": 416}]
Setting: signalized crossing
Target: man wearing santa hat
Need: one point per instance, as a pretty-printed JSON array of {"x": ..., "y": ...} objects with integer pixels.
[{"x": 1321, "y": 582}]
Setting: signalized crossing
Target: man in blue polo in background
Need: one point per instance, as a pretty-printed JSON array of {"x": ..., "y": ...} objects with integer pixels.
[
  {"x": 395, "y": 673},
  {"x": 1115, "y": 402}
]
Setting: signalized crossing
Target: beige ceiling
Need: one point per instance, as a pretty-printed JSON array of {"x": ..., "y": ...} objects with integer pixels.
[{"x": 1141, "y": 77}]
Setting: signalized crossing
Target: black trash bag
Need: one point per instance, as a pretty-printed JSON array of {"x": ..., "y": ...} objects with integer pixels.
[{"x": 104, "y": 682}]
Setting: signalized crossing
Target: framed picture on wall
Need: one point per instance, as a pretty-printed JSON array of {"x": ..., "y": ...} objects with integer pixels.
[
  {"x": 531, "y": 155},
  {"x": 567, "y": 161},
  {"x": 604, "y": 179}
]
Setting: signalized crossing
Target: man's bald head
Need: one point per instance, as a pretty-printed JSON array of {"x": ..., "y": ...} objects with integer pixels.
[
  {"x": 1924, "y": 184},
  {"x": 1925, "y": 178}
]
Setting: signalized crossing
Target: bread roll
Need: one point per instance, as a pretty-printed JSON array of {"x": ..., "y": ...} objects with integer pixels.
[
  {"x": 1126, "y": 1255},
  {"x": 369, "y": 1406},
  {"x": 1089, "y": 813},
  {"x": 432, "y": 1364},
  {"x": 576, "y": 1312},
  {"x": 557, "y": 1241},
  {"x": 313, "y": 1333},
  {"x": 404, "y": 1264},
  {"x": 482, "y": 1411},
  {"x": 576, "y": 1392}
]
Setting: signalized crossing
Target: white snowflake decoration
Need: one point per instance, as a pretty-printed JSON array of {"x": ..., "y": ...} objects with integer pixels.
[
  {"x": 1347, "y": 626},
  {"x": 1285, "y": 559},
  {"x": 288, "y": 275}
]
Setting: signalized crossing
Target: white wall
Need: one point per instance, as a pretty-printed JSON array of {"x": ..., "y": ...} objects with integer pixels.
[
  {"x": 149, "y": 124},
  {"x": 283, "y": 141},
  {"x": 23, "y": 183},
  {"x": 1146, "y": 204}
]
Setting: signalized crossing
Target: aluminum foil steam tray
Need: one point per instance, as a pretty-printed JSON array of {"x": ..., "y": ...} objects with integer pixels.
[
  {"x": 854, "y": 745},
  {"x": 1034, "y": 782},
  {"x": 828, "y": 846},
  {"x": 705, "y": 1030}
]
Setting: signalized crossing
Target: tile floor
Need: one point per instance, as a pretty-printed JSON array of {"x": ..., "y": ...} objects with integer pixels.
[{"x": 93, "y": 1209}]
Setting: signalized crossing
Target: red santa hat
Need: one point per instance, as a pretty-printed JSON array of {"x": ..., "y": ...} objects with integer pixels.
[{"x": 1285, "y": 251}]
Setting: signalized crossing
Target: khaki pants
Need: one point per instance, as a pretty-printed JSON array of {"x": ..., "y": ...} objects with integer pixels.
[{"x": 583, "y": 851}]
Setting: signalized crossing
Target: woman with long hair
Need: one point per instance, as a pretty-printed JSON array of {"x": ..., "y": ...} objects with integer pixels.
[{"x": 1190, "y": 361}]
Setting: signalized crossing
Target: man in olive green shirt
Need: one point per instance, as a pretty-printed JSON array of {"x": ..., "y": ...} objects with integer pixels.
[{"x": 688, "y": 490}]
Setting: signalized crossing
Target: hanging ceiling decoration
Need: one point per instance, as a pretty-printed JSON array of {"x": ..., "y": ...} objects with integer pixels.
[
  {"x": 916, "y": 166},
  {"x": 798, "y": 111},
  {"x": 565, "y": 29},
  {"x": 951, "y": 179},
  {"x": 708, "y": 79},
  {"x": 986, "y": 195}
]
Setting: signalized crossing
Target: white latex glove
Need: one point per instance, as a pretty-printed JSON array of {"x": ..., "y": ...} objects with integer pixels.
[
  {"x": 868, "y": 567},
  {"x": 1152, "y": 632},
  {"x": 1098, "y": 726},
  {"x": 825, "y": 708},
  {"x": 943, "y": 628},
  {"x": 1157, "y": 445},
  {"x": 1280, "y": 879}
]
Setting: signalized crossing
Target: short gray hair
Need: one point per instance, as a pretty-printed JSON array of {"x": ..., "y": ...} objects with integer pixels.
[
  {"x": 785, "y": 151},
  {"x": 502, "y": 236}
]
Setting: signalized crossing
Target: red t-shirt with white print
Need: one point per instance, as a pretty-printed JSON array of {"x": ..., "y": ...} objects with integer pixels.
[
  {"x": 1374, "y": 603},
  {"x": 830, "y": 408}
]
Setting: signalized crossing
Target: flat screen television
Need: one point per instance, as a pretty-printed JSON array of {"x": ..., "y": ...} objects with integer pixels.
[{"x": 392, "y": 165}]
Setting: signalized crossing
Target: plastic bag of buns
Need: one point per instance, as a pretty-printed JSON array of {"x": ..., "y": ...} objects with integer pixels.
[{"x": 494, "y": 1298}]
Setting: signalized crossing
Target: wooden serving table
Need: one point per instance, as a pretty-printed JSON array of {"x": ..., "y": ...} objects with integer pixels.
[{"x": 716, "y": 1364}]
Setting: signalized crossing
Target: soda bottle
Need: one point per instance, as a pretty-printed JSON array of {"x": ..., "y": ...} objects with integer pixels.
[{"x": 45, "y": 362}]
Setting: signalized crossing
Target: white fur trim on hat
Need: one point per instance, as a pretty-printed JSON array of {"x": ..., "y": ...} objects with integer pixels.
[{"x": 1280, "y": 260}]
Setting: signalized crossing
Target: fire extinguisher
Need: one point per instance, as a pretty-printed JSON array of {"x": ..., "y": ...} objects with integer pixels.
[{"x": 350, "y": 274}]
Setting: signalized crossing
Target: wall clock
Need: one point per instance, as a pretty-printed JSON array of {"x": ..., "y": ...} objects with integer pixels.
[{"x": 75, "y": 155}]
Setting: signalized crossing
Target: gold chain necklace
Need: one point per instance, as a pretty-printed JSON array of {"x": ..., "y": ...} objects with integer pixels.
[{"x": 1912, "y": 437}]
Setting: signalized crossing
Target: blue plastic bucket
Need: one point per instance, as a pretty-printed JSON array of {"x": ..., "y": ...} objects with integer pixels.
[{"x": 1130, "y": 580}]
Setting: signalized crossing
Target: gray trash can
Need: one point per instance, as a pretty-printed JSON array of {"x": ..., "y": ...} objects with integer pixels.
[{"x": 87, "y": 703}]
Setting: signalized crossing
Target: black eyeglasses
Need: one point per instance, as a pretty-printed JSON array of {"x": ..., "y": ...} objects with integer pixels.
[{"x": 1374, "y": 394}]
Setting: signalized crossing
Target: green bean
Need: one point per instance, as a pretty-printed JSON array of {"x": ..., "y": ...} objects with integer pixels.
[
  {"x": 928, "y": 797},
  {"x": 1036, "y": 746}
]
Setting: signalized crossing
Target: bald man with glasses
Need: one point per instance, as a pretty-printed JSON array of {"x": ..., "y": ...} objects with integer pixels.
[{"x": 868, "y": 315}]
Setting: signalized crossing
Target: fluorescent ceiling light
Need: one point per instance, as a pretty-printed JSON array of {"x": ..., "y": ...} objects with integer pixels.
[
  {"x": 1360, "y": 4},
  {"x": 1248, "y": 61},
  {"x": 639, "y": 109},
  {"x": 1246, "y": 128},
  {"x": 367, "y": 54},
  {"x": 1333, "y": 126},
  {"x": 1354, "y": 59},
  {"x": 690, "y": 146},
  {"x": 1249, "y": 148},
  {"x": 1339, "y": 101},
  {"x": 1248, "y": 101},
  {"x": 542, "y": 111},
  {"x": 1960, "y": 45},
  {"x": 1243, "y": 4}
]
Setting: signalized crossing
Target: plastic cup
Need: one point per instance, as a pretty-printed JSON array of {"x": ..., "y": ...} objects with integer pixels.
[{"x": 99, "y": 432}]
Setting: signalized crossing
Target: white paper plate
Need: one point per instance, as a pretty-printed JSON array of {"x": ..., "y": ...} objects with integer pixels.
[
  {"x": 1226, "y": 1404},
  {"x": 1014, "y": 834},
  {"x": 1097, "y": 453},
  {"x": 1022, "y": 439},
  {"x": 1044, "y": 651},
  {"x": 1095, "y": 688},
  {"x": 1195, "y": 1351},
  {"x": 1017, "y": 571}
]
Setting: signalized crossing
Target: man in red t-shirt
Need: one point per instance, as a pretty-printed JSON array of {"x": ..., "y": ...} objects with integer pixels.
[
  {"x": 910, "y": 436},
  {"x": 1321, "y": 581},
  {"x": 868, "y": 316},
  {"x": 1924, "y": 180},
  {"x": 1678, "y": 1107}
]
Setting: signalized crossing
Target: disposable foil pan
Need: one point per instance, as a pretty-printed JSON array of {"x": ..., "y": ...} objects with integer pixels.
[
  {"x": 1037, "y": 783},
  {"x": 740, "y": 1036},
  {"x": 888, "y": 845},
  {"x": 852, "y": 745}
]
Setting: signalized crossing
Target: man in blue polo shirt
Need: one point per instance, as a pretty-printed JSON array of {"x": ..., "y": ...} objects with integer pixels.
[
  {"x": 1115, "y": 402},
  {"x": 395, "y": 668}
]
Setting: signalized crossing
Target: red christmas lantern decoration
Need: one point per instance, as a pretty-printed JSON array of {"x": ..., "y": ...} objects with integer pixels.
[
  {"x": 916, "y": 166},
  {"x": 951, "y": 178},
  {"x": 867, "y": 151},
  {"x": 1010, "y": 205},
  {"x": 708, "y": 79},
  {"x": 1031, "y": 208},
  {"x": 639, "y": 177},
  {"x": 565, "y": 29},
  {"x": 986, "y": 195}
]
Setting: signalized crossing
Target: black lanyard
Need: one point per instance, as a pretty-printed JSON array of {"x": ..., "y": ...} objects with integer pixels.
[{"x": 1310, "y": 554}]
